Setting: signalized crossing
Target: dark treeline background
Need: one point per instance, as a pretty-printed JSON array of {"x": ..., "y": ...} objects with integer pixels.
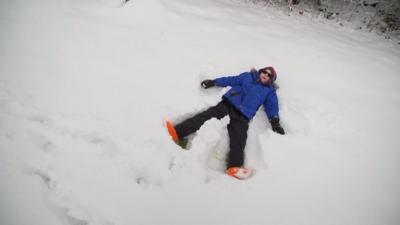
[{"x": 381, "y": 16}]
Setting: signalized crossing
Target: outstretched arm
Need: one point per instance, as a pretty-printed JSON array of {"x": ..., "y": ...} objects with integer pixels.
[
  {"x": 271, "y": 107},
  {"x": 224, "y": 81},
  {"x": 230, "y": 80}
]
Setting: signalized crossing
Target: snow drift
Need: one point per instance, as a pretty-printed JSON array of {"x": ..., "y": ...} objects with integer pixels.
[{"x": 85, "y": 86}]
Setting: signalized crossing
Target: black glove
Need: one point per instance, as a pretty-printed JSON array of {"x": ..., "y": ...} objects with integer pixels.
[
  {"x": 207, "y": 83},
  {"x": 276, "y": 126}
]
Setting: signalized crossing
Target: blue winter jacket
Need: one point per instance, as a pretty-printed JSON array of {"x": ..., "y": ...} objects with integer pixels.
[{"x": 248, "y": 94}]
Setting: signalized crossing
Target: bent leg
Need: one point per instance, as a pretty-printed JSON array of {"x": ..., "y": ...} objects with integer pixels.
[{"x": 194, "y": 123}]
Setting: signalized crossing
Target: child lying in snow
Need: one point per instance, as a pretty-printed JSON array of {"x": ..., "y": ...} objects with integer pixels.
[{"x": 248, "y": 92}]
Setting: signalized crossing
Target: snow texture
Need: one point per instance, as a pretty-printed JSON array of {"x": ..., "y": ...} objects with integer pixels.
[{"x": 85, "y": 87}]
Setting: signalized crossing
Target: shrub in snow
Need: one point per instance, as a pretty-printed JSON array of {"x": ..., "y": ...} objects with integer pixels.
[{"x": 381, "y": 16}]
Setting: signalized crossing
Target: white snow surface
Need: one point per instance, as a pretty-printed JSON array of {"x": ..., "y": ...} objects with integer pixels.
[{"x": 85, "y": 87}]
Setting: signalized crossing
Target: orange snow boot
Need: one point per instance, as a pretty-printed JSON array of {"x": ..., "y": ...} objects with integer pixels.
[
  {"x": 239, "y": 172},
  {"x": 172, "y": 131},
  {"x": 183, "y": 143}
]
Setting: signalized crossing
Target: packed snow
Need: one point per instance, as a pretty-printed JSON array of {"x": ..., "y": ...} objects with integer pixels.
[{"x": 86, "y": 85}]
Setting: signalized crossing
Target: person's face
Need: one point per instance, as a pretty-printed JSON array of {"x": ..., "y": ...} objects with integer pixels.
[{"x": 264, "y": 77}]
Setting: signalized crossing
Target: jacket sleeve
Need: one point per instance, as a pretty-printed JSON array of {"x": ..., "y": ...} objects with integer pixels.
[
  {"x": 231, "y": 80},
  {"x": 271, "y": 105}
]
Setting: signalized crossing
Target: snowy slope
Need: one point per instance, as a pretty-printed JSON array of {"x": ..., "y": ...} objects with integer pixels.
[{"x": 85, "y": 86}]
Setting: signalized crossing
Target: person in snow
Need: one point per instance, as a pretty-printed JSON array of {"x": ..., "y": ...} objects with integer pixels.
[{"x": 248, "y": 92}]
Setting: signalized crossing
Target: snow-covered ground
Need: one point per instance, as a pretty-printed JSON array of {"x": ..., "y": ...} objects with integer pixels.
[{"x": 85, "y": 86}]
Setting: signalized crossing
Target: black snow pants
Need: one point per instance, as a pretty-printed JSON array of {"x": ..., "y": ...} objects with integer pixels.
[{"x": 237, "y": 129}]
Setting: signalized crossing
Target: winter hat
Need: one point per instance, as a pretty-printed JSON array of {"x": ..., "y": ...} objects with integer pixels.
[{"x": 269, "y": 70}]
